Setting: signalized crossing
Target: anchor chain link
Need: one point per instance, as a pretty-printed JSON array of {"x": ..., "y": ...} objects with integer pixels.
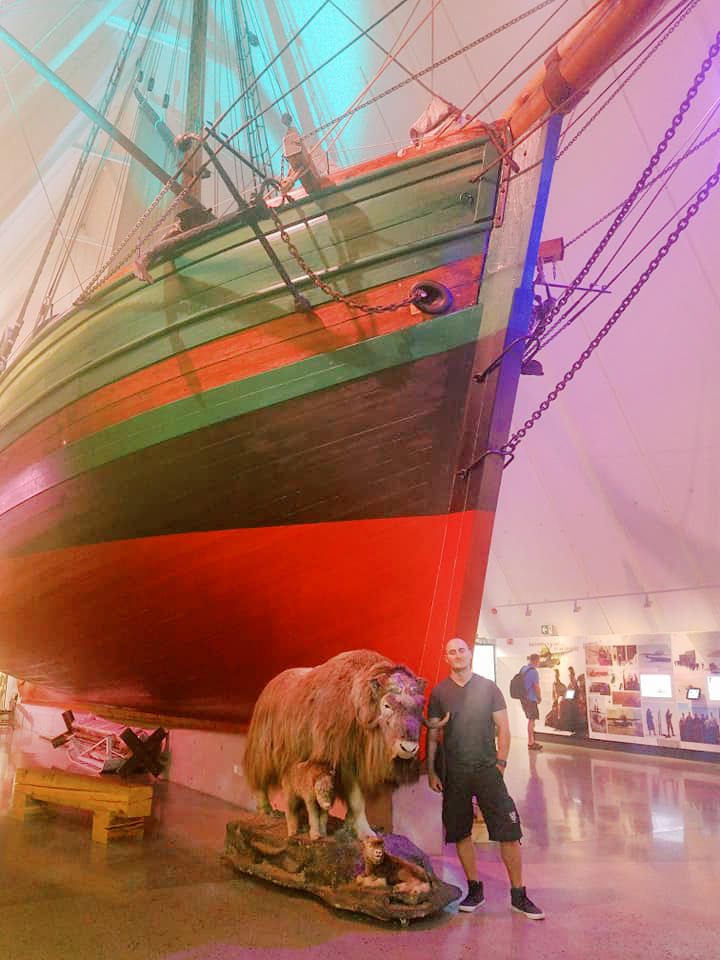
[
  {"x": 112, "y": 260},
  {"x": 640, "y": 185},
  {"x": 508, "y": 450},
  {"x": 326, "y": 287}
]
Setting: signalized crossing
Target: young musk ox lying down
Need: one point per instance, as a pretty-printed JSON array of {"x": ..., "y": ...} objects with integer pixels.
[{"x": 359, "y": 714}]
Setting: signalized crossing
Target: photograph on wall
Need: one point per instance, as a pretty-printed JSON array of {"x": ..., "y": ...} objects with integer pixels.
[
  {"x": 562, "y": 686},
  {"x": 613, "y": 677},
  {"x": 625, "y": 662},
  {"x": 597, "y": 714},
  {"x": 655, "y": 721},
  {"x": 626, "y": 698},
  {"x": 597, "y": 655},
  {"x": 696, "y": 661},
  {"x": 598, "y": 674},
  {"x": 624, "y": 721},
  {"x": 699, "y": 724},
  {"x": 665, "y": 716},
  {"x": 654, "y": 656}
]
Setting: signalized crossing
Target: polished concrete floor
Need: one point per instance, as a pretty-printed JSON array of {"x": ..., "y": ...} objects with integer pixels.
[{"x": 622, "y": 852}]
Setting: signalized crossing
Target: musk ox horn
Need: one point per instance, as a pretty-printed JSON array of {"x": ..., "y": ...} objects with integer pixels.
[{"x": 434, "y": 723}]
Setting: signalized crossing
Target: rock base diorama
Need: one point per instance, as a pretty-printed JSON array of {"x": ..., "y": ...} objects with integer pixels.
[
  {"x": 386, "y": 877},
  {"x": 341, "y": 730}
]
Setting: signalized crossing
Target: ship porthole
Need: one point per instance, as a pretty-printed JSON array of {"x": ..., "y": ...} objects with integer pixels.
[{"x": 432, "y": 297}]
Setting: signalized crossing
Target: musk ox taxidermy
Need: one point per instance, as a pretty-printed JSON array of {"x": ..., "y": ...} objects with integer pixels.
[
  {"x": 359, "y": 714},
  {"x": 310, "y": 788}
]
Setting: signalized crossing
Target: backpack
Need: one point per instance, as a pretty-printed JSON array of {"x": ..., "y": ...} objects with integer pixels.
[{"x": 517, "y": 685}]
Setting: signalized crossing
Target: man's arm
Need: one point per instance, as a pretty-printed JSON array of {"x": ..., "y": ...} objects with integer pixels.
[
  {"x": 433, "y": 739},
  {"x": 536, "y": 687},
  {"x": 503, "y": 737}
]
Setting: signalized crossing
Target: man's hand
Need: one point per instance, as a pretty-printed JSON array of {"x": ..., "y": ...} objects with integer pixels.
[{"x": 434, "y": 782}]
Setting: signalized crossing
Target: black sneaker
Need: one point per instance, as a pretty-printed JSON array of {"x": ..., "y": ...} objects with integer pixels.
[
  {"x": 474, "y": 898},
  {"x": 523, "y": 904}
]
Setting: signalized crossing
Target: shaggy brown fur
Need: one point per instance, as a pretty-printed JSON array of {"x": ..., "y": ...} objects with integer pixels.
[
  {"x": 383, "y": 869},
  {"x": 310, "y": 787},
  {"x": 349, "y": 713}
]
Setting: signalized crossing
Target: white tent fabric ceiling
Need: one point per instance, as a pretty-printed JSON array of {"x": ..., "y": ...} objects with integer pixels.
[{"x": 610, "y": 504}]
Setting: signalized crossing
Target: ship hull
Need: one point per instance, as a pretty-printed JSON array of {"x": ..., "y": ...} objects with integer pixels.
[{"x": 202, "y": 486}]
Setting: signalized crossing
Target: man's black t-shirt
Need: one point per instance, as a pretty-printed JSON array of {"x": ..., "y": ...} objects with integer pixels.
[{"x": 469, "y": 735}]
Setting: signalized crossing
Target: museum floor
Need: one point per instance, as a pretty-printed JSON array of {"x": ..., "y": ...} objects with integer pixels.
[{"x": 622, "y": 852}]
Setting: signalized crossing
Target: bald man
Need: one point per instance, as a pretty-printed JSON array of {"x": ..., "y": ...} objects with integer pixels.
[{"x": 474, "y": 767}]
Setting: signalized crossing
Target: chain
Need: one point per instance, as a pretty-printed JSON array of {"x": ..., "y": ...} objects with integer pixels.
[
  {"x": 670, "y": 168},
  {"x": 99, "y": 277},
  {"x": 640, "y": 185},
  {"x": 327, "y": 288},
  {"x": 509, "y": 449}
]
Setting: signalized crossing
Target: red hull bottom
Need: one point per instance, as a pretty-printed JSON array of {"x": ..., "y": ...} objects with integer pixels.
[{"x": 227, "y": 610}]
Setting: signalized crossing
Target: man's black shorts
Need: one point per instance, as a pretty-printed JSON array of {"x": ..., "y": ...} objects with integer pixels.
[
  {"x": 531, "y": 709},
  {"x": 495, "y": 804}
]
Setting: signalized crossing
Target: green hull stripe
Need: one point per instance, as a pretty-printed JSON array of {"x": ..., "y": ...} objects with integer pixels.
[{"x": 436, "y": 335}]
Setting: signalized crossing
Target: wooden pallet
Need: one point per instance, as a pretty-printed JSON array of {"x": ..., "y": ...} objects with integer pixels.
[{"x": 119, "y": 808}]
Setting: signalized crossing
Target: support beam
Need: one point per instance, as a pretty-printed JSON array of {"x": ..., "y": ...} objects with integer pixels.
[{"x": 97, "y": 118}]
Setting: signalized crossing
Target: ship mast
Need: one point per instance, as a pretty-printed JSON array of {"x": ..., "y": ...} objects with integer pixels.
[
  {"x": 195, "y": 106},
  {"x": 192, "y": 213}
]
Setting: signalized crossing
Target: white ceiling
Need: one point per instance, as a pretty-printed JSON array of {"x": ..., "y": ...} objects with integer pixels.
[{"x": 612, "y": 496}]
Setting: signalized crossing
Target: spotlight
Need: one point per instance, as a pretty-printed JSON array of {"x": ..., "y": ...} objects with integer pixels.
[
  {"x": 576, "y": 607},
  {"x": 528, "y": 611},
  {"x": 648, "y": 601}
]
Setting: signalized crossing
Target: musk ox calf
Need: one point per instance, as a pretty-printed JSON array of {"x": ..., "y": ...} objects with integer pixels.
[
  {"x": 309, "y": 789},
  {"x": 359, "y": 714}
]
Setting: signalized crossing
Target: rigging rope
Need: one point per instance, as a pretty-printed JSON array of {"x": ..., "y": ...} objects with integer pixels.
[
  {"x": 551, "y": 331},
  {"x": 630, "y": 200},
  {"x": 98, "y": 279},
  {"x": 438, "y": 63},
  {"x": 638, "y": 63},
  {"x": 337, "y": 130},
  {"x": 579, "y": 310},
  {"x": 663, "y": 173},
  {"x": 538, "y": 59},
  {"x": 533, "y": 341},
  {"x": 508, "y": 450}
]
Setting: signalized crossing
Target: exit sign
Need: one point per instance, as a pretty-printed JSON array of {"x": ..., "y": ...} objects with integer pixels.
[{"x": 547, "y": 629}]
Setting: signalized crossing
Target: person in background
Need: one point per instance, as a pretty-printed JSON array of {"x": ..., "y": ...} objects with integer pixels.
[
  {"x": 669, "y": 723},
  {"x": 531, "y": 680},
  {"x": 474, "y": 767},
  {"x": 650, "y": 722}
]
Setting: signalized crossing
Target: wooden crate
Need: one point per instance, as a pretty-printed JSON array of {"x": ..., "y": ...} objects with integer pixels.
[{"x": 119, "y": 808}]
